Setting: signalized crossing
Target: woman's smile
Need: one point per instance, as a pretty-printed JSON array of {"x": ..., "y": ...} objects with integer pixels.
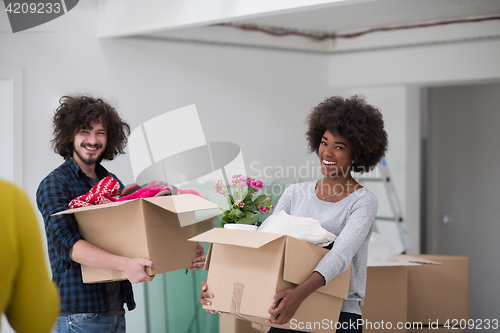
[{"x": 335, "y": 155}]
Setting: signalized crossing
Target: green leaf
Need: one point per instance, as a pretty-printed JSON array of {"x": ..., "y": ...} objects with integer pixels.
[
  {"x": 261, "y": 198},
  {"x": 238, "y": 213},
  {"x": 268, "y": 201},
  {"x": 248, "y": 220},
  {"x": 221, "y": 211}
]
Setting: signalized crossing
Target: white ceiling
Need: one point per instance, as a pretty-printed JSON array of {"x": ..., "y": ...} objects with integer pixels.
[
  {"x": 353, "y": 16},
  {"x": 373, "y": 14}
]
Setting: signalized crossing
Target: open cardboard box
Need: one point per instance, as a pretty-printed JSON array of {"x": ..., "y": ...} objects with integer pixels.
[
  {"x": 246, "y": 269},
  {"x": 155, "y": 228},
  {"x": 416, "y": 289}
]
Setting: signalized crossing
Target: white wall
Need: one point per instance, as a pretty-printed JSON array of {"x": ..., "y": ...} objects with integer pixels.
[
  {"x": 452, "y": 63},
  {"x": 6, "y": 148},
  {"x": 11, "y": 126}
]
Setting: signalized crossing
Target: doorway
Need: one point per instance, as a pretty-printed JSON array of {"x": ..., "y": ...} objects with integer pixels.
[
  {"x": 6, "y": 125},
  {"x": 462, "y": 203}
]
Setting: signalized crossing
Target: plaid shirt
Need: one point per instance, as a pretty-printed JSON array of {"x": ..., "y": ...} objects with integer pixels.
[{"x": 53, "y": 195}]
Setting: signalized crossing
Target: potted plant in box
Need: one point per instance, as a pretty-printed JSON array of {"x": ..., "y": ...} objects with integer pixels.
[{"x": 243, "y": 207}]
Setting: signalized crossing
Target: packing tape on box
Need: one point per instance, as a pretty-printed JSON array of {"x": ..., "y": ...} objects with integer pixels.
[{"x": 236, "y": 298}]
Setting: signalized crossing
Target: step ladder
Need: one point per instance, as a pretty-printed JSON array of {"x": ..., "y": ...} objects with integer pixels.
[{"x": 387, "y": 225}]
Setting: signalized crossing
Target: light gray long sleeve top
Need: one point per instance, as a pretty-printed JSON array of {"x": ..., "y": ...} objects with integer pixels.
[{"x": 351, "y": 219}]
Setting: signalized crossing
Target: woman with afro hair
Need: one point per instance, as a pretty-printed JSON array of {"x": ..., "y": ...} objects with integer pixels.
[{"x": 348, "y": 136}]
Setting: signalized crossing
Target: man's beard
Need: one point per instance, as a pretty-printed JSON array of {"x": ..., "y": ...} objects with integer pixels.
[{"x": 91, "y": 160}]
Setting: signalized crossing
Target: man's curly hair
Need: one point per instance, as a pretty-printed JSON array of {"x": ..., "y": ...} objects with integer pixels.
[
  {"x": 355, "y": 120},
  {"x": 76, "y": 112}
]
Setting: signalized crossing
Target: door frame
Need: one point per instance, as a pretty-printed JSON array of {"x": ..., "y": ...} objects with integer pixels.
[{"x": 14, "y": 151}]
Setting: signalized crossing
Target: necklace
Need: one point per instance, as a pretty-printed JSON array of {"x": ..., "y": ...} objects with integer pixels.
[{"x": 333, "y": 195}]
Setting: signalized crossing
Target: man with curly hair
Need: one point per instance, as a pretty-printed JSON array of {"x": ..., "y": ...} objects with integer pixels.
[{"x": 87, "y": 130}]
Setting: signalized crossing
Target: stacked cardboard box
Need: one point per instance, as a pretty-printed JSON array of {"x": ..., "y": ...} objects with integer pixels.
[{"x": 417, "y": 291}]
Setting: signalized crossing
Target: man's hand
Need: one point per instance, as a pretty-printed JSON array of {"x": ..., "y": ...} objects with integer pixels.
[
  {"x": 284, "y": 305},
  {"x": 204, "y": 295},
  {"x": 134, "y": 270},
  {"x": 199, "y": 261}
]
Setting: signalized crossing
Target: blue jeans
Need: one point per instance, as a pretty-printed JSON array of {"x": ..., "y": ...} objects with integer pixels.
[{"x": 90, "y": 323}]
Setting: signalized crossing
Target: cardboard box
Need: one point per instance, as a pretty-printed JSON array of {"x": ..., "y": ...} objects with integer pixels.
[
  {"x": 231, "y": 324},
  {"x": 437, "y": 293},
  {"x": 386, "y": 299},
  {"x": 259, "y": 328},
  {"x": 416, "y": 289},
  {"x": 155, "y": 228},
  {"x": 246, "y": 269}
]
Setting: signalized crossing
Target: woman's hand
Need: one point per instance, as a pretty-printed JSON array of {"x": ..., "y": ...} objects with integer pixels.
[
  {"x": 286, "y": 302},
  {"x": 199, "y": 261},
  {"x": 204, "y": 295},
  {"x": 284, "y": 305}
]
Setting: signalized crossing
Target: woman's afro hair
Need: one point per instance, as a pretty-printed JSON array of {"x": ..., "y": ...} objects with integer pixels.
[{"x": 358, "y": 122}]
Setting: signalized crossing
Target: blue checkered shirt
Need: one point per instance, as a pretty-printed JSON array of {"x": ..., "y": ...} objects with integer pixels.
[{"x": 54, "y": 193}]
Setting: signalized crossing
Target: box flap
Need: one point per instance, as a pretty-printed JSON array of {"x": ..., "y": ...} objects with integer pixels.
[
  {"x": 392, "y": 264},
  {"x": 300, "y": 260},
  {"x": 413, "y": 259},
  {"x": 182, "y": 203},
  {"x": 403, "y": 260},
  {"x": 208, "y": 259},
  {"x": 94, "y": 207},
  {"x": 250, "y": 239}
]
